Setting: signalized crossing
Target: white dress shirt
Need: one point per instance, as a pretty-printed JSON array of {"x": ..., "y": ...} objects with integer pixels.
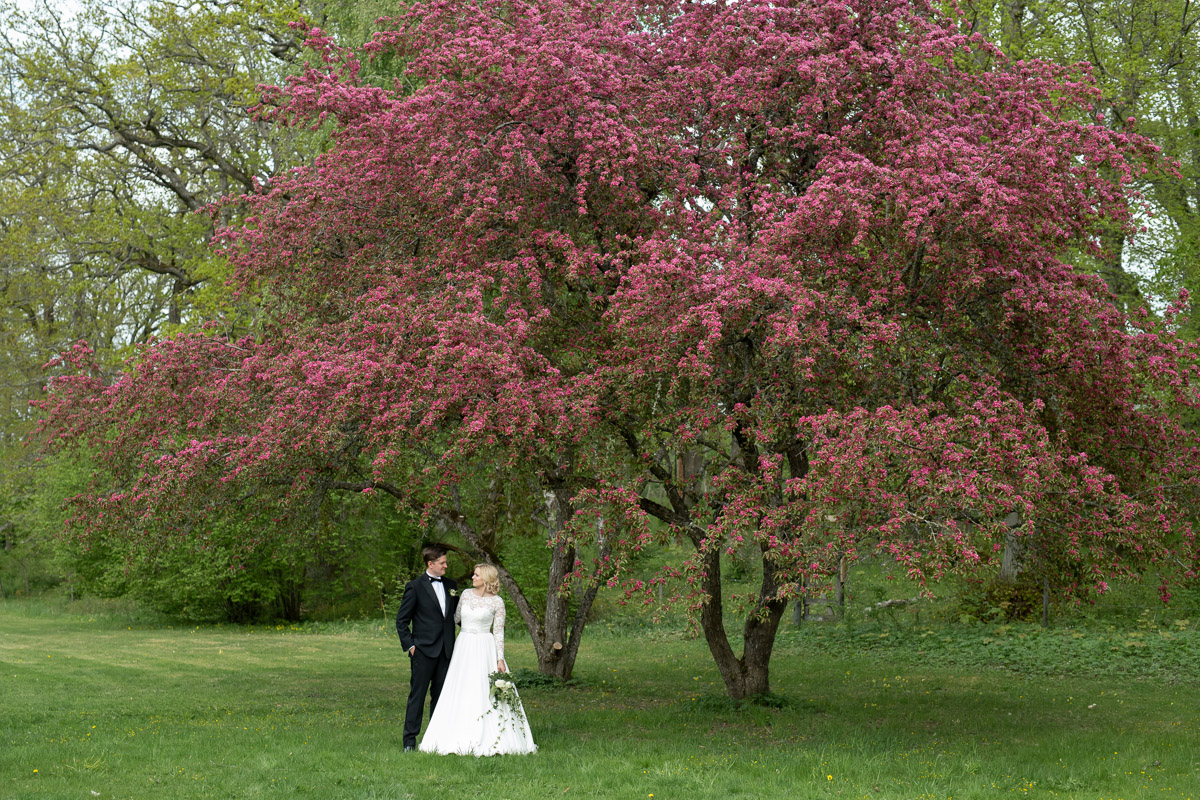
[{"x": 440, "y": 591}]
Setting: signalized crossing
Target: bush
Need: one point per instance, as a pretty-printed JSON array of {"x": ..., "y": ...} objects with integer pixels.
[{"x": 994, "y": 600}]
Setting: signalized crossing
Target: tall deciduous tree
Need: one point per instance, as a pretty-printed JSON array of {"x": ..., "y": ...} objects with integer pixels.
[
  {"x": 784, "y": 276},
  {"x": 127, "y": 119},
  {"x": 118, "y": 121},
  {"x": 1145, "y": 56}
]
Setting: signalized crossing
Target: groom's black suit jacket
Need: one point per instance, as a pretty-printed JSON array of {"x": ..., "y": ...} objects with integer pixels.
[{"x": 420, "y": 621}]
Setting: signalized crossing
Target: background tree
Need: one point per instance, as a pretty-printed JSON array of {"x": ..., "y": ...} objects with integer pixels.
[
  {"x": 120, "y": 123},
  {"x": 786, "y": 277},
  {"x": 117, "y": 123},
  {"x": 141, "y": 112},
  {"x": 1145, "y": 57}
]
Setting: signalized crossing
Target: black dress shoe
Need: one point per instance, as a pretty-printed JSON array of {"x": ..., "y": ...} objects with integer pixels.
[{"x": 408, "y": 748}]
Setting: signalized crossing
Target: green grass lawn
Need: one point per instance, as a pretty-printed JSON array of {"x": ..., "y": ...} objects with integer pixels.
[{"x": 96, "y": 707}]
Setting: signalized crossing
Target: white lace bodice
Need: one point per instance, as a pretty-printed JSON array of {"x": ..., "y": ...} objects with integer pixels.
[{"x": 478, "y": 614}]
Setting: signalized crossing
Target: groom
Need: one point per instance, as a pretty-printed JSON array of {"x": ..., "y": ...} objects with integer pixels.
[{"x": 425, "y": 623}]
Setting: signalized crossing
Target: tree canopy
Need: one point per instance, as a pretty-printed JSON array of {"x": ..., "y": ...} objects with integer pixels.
[
  {"x": 1145, "y": 58},
  {"x": 118, "y": 122},
  {"x": 779, "y": 277}
]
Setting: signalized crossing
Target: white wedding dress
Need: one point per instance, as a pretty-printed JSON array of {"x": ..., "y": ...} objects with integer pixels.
[{"x": 465, "y": 722}]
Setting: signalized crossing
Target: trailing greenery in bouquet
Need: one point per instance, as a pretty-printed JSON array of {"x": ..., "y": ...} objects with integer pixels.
[{"x": 503, "y": 692}]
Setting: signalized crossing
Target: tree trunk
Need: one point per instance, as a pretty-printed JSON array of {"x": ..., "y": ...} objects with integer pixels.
[
  {"x": 840, "y": 588},
  {"x": 556, "y": 639},
  {"x": 1012, "y": 29},
  {"x": 556, "y": 634},
  {"x": 748, "y": 676},
  {"x": 800, "y": 605},
  {"x": 290, "y": 597},
  {"x": 1014, "y": 550},
  {"x": 1126, "y": 294},
  {"x": 174, "y": 306}
]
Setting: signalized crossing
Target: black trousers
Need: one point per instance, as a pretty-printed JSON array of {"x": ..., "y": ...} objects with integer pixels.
[{"x": 428, "y": 675}]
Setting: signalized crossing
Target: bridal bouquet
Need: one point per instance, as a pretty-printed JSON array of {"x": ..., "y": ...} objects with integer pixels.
[{"x": 504, "y": 693}]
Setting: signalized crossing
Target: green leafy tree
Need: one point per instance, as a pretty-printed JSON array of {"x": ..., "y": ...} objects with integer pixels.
[
  {"x": 1145, "y": 58},
  {"x": 119, "y": 124}
]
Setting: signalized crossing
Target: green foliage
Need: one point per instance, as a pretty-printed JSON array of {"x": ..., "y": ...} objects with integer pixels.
[
  {"x": 994, "y": 600},
  {"x": 32, "y": 511},
  {"x": 1145, "y": 57},
  {"x": 253, "y": 562},
  {"x": 527, "y": 558},
  {"x": 121, "y": 122},
  {"x": 118, "y": 123},
  {"x": 532, "y": 679},
  {"x": 370, "y": 551}
]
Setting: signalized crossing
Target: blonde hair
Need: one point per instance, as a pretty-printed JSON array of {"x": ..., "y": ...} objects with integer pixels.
[{"x": 491, "y": 578}]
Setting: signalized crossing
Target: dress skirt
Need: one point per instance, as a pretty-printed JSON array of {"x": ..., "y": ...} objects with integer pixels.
[{"x": 465, "y": 722}]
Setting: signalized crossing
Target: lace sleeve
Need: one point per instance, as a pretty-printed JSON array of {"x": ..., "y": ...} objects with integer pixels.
[
  {"x": 458, "y": 609},
  {"x": 498, "y": 628}
]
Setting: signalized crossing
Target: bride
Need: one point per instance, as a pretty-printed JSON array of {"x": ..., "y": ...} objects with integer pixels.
[{"x": 465, "y": 722}]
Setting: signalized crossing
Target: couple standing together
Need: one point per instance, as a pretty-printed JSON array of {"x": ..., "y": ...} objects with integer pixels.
[{"x": 462, "y": 717}]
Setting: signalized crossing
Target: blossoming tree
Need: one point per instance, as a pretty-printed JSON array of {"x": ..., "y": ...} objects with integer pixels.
[{"x": 783, "y": 278}]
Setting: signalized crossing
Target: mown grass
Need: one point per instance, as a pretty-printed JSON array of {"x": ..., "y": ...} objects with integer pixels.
[{"x": 100, "y": 706}]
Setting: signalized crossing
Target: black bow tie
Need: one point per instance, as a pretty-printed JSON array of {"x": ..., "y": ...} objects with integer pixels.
[{"x": 433, "y": 579}]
